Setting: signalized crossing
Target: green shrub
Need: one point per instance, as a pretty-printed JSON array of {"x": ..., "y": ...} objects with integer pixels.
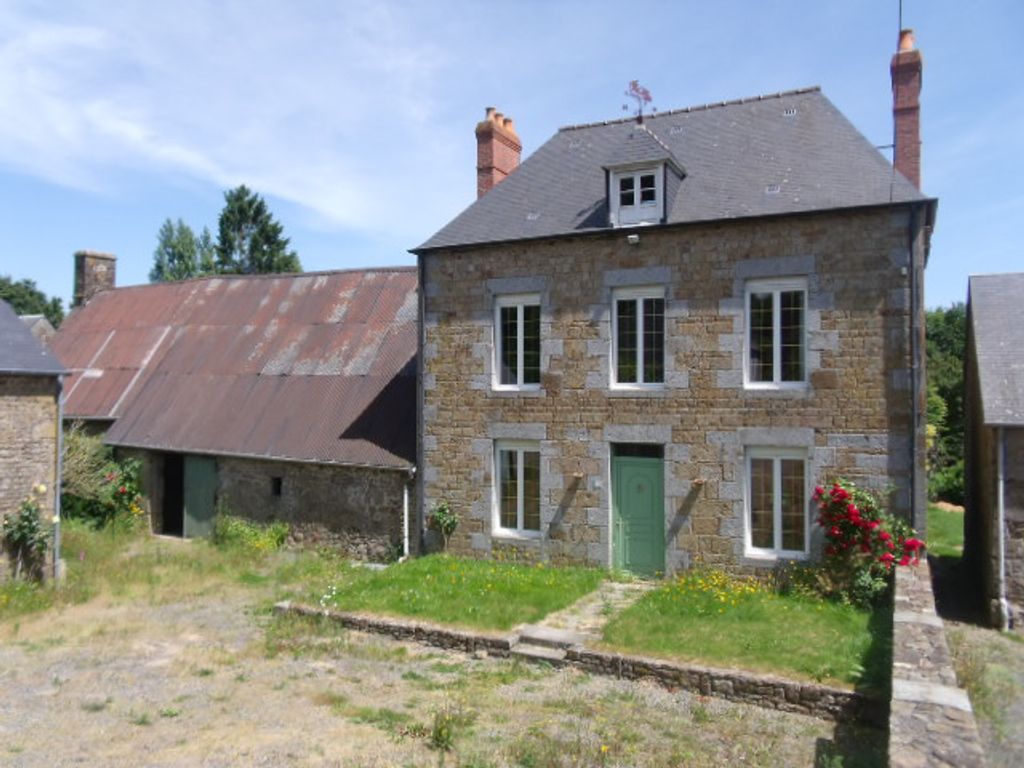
[
  {"x": 97, "y": 488},
  {"x": 230, "y": 531},
  {"x": 947, "y": 484},
  {"x": 444, "y": 520},
  {"x": 24, "y": 537}
]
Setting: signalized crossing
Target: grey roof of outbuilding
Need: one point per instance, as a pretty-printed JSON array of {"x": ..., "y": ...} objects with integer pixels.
[
  {"x": 20, "y": 351},
  {"x": 998, "y": 338},
  {"x": 790, "y": 152}
]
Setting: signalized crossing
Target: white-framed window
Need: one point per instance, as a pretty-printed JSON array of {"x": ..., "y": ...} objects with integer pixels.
[
  {"x": 776, "y": 502},
  {"x": 776, "y": 333},
  {"x": 517, "y": 487},
  {"x": 636, "y": 196},
  {"x": 517, "y": 342},
  {"x": 638, "y": 337}
]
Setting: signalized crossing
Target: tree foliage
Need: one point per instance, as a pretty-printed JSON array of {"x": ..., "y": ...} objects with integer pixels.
[
  {"x": 249, "y": 240},
  {"x": 26, "y": 299},
  {"x": 180, "y": 255},
  {"x": 946, "y": 349}
]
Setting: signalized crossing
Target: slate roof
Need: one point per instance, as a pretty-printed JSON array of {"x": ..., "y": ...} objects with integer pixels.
[
  {"x": 20, "y": 352},
  {"x": 786, "y": 153},
  {"x": 994, "y": 303},
  {"x": 316, "y": 367}
]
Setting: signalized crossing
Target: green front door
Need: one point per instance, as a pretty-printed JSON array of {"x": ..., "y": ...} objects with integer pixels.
[
  {"x": 638, "y": 515},
  {"x": 200, "y": 495}
]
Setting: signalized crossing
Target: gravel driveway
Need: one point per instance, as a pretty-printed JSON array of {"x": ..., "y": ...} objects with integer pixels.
[{"x": 211, "y": 681}]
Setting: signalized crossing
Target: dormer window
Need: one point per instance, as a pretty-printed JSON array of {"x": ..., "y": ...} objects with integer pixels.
[{"x": 637, "y": 196}]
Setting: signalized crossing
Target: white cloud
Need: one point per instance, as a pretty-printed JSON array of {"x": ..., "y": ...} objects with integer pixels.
[{"x": 323, "y": 105}]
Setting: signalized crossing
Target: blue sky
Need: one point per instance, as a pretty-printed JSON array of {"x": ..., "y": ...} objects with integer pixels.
[{"x": 355, "y": 119}]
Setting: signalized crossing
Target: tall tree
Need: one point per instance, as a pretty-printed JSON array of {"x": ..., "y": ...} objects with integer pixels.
[
  {"x": 180, "y": 255},
  {"x": 946, "y": 348},
  {"x": 26, "y": 299},
  {"x": 249, "y": 240}
]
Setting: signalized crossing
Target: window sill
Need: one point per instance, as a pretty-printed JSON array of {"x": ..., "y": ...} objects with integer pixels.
[
  {"x": 533, "y": 390},
  {"x": 767, "y": 557},
  {"x": 507, "y": 534}
]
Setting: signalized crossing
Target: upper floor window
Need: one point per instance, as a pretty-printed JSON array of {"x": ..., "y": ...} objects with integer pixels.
[
  {"x": 776, "y": 500},
  {"x": 776, "y": 333},
  {"x": 638, "y": 336},
  {"x": 517, "y": 341},
  {"x": 636, "y": 197},
  {"x": 517, "y": 487}
]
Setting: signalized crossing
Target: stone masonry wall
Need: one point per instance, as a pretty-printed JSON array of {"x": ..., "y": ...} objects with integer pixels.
[
  {"x": 853, "y": 419},
  {"x": 931, "y": 722},
  {"x": 28, "y": 441},
  {"x": 355, "y": 509},
  {"x": 1014, "y": 512}
]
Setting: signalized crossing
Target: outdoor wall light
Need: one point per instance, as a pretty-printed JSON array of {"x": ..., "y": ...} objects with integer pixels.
[{"x": 633, "y": 239}]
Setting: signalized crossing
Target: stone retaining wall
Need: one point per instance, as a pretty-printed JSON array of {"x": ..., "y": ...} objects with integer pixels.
[
  {"x": 769, "y": 692},
  {"x": 931, "y": 721}
]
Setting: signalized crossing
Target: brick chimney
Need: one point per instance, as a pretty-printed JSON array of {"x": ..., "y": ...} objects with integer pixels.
[
  {"x": 906, "y": 108},
  {"x": 497, "y": 150},
  {"x": 94, "y": 272}
]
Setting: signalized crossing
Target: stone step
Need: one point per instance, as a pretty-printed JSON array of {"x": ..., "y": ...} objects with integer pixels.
[
  {"x": 531, "y": 652},
  {"x": 550, "y": 637}
]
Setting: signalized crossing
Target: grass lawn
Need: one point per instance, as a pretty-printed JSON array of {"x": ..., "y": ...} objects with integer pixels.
[
  {"x": 945, "y": 532},
  {"x": 709, "y": 617},
  {"x": 473, "y": 593}
]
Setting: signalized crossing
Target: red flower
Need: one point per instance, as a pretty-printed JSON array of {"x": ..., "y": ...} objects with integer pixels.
[
  {"x": 885, "y": 536},
  {"x": 122, "y": 490},
  {"x": 912, "y": 545},
  {"x": 905, "y": 560},
  {"x": 833, "y": 531},
  {"x": 818, "y": 492},
  {"x": 886, "y": 558}
]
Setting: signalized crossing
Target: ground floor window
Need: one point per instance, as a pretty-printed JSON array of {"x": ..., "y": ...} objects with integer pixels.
[
  {"x": 517, "y": 487},
  {"x": 776, "y": 500}
]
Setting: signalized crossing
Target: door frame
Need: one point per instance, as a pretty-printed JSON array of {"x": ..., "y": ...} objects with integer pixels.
[{"x": 654, "y": 451}]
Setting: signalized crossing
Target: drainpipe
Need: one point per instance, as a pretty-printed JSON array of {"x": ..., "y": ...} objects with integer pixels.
[
  {"x": 1004, "y": 608},
  {"x": 58, "y": 480},
  {"x": 915, "y": 372},
  {"x": 405, "y": 514}
]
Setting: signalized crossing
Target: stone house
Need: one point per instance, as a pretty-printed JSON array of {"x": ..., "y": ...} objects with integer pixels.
[
  {"x": 994, "y": 444},
  {"x": 279, "y": 397},
  {"x": 30, "y": 401},
  {"x": 645, "y": 345}
]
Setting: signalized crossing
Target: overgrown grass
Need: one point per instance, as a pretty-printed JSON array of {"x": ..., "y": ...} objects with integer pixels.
[
  {"x": 712, "y": 618},
  {"x": 474, "y": 593},
  {"x": 129, "y": 564},
  {"x": 945, "y": 532}
]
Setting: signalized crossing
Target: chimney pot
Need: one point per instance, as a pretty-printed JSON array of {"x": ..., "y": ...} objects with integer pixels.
[
  {"x": 488, "y": 113},
  {"x": 508, "y": 125},
  {"x": 906, "y": 40}
]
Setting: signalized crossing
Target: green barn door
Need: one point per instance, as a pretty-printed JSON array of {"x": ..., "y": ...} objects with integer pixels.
[
  {"x": 638, "y": 514},
  {"x": 200, "y": 495}
]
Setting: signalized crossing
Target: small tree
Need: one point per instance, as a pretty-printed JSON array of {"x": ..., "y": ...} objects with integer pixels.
[
  {"x": 180, "y": 255},
  {"x": 26, "y": 299},
  {"x": 249, "y": 240},
  {"x": 444, "y": 520}
]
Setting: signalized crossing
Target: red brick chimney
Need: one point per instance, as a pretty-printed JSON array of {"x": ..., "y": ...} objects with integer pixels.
[
  {"x": 497, "y": 150},
  {"x": 906, "y": 108}
]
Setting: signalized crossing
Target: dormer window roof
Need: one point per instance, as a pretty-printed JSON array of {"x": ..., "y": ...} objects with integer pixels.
[{"x": 638, "y": 179}]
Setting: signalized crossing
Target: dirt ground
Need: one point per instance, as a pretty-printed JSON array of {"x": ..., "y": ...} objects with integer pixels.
[{"x": 214, "y": 681}]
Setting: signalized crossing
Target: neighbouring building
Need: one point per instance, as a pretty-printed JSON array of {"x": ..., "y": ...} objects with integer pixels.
[
  {"x": 277, "y": 397},
  {"x": 994, "y": 443},
  {"x": 644, "y": 346},
  {"x": 30, "y": 394}
]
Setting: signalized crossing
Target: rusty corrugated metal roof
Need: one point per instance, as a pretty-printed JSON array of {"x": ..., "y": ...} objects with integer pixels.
[{"x": 315, "y": 367}]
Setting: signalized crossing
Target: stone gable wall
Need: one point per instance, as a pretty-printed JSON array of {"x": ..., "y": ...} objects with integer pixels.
[
  {"x": 28, "y": 441},
  {"x": 853, "y": 419}
]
